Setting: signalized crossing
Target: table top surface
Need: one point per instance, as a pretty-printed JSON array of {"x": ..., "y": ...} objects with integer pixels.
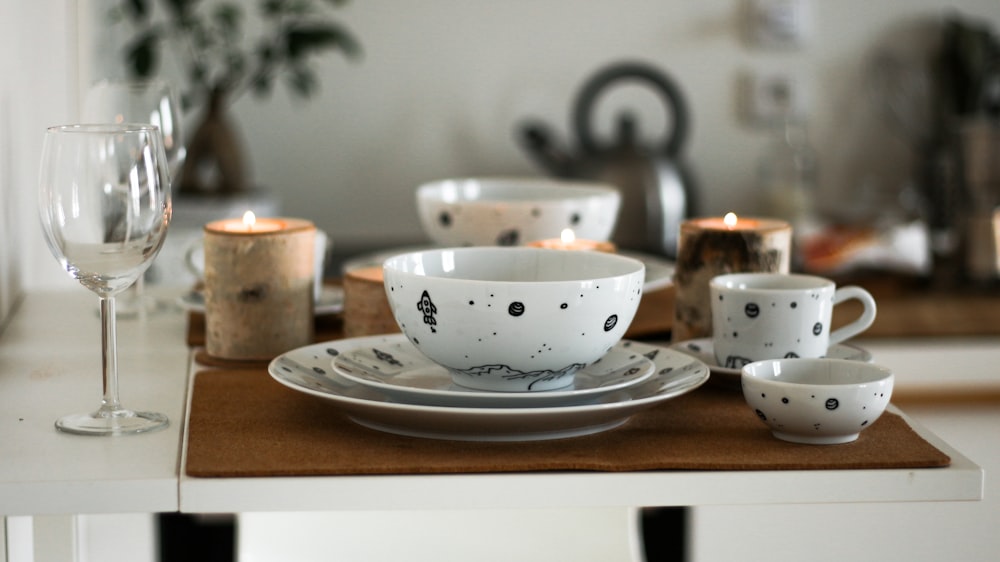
[{"x": 50, "y": 366}]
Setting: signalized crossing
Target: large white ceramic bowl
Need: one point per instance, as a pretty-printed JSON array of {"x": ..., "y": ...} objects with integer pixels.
[
  {"x": 817, "y": 401},
  {"x": 513, "y": 319},
  {"x": 515, "y": 211}
]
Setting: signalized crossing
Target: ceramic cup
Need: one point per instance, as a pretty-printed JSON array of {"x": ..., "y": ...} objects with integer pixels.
[
  {"x": 758, "y": 316},
  {"x": 817, "y": 401}
]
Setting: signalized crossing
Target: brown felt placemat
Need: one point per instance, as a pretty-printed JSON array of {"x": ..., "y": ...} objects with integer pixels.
[{"x": 244, "y": 424}]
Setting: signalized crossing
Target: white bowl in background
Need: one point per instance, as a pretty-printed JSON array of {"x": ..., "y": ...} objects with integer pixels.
[{"x": 515, "y": 211}]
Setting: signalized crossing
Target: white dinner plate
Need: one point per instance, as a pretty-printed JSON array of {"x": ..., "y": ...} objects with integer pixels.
[
  {"x": 704, "y": 350},
  {"x": 308, "y": 370},
  {"x": 659, "y": 271},
  {"x": 331, "y": 301},
  {"x": 394, "y": 366}
]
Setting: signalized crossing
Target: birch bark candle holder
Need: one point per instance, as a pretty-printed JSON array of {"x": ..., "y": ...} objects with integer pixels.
[
  {"x": 366, "y": 307},
  {"x": 715, "y": 246},
  {"x": 259, "y": 276}
]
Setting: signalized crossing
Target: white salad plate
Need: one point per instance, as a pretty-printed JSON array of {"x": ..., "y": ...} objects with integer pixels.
[
  {"x": 659, "y": 271},
  {"x": 394, "y": 366},
  {"x": 330, "y": 301},
  {"x": 308, "y": 370},
  {"x": 703, "y": 349}
]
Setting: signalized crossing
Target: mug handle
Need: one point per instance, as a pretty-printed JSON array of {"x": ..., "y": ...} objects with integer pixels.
[
  {"x": 863, "y": 322},
  {"x": 193, "y": 261}
]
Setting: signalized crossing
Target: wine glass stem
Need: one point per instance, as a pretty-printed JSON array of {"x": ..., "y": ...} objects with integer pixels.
[{"x": 109, "y": 356}]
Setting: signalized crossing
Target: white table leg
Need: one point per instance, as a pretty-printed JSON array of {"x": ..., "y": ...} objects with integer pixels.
[{"x": 42, "y": 538}]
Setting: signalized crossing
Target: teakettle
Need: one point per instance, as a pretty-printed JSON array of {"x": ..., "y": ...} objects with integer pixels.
[{"x": 656, "y": 187}]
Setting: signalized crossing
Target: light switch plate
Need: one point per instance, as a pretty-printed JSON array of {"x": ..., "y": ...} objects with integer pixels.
[
  {"x": 767, "y": 97},
  {"x": 781, "y": 24}
]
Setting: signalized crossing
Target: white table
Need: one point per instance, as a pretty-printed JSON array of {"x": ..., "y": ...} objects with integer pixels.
[{"x": 49, "y": 366}]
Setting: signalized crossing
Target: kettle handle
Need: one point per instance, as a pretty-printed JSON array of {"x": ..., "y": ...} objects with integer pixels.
[{"x": 664, "y": 86}]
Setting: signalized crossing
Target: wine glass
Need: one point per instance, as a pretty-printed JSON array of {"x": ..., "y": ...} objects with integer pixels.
[
  {"x": 104, "y": 203},
  {"x": 139, "y": 101}
]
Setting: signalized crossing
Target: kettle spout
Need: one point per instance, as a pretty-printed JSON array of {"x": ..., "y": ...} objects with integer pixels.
[{"x": 538, "y": 142}]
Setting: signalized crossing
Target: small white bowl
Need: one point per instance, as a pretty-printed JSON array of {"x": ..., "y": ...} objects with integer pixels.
[
  {"x": 515, "y": 211},
  {"x": 817, "y": 401},
  {"x": 513, "y": 319}
]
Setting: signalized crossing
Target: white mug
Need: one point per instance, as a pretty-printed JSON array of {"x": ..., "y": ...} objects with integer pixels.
[{"x": 758, "y": 316}]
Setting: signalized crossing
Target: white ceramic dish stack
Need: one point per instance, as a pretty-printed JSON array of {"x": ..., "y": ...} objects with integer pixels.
[
  {"x": 394, "y": 367},
  {"x": 582, "y": 411}
]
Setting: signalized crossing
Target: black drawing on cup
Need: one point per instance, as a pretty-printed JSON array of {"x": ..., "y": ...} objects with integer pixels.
[
  {"x": 428, "y": 309},
  {"x": 610, "y": 323},
  {"x": 508, "y": 238},
  {"x": 737, "y": 362}
]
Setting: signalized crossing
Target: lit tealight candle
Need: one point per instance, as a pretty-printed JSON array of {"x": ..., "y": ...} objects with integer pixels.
[
  {"x": 250, "y": 224},
  {"x": 259, "y": 275},
  {"x": 729, "y": 222},
  {"x": 568, "y": 241},
  {"x": 713, "y": 246}
]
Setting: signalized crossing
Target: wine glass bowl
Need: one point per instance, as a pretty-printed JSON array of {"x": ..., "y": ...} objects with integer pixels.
[
  {"x": 150, "y": 101},
  {"x": 104, "y": 204},
  {"x": 140, "y": 101}
]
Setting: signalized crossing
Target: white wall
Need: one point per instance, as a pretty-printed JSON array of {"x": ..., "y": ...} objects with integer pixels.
[
  {"x": 444, "y": 82},
  {"x": 38, "y": 74}
]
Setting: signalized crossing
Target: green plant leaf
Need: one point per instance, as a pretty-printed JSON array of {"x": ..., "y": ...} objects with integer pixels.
[
  {"x": 261, "y": 85},
  {"x": 229, "y": 18},
  {"x": 265, "y": 52},
  {"x": 272, "y": 7},
  {"x": 137, "y": 10},
  {"x": 142, "y": 54},
  {"x": 303, "y": 81},
  {"x": 206, "y": 38},
  {"x": 182, "y": 9},
  {"x": 304, "y": 39}
]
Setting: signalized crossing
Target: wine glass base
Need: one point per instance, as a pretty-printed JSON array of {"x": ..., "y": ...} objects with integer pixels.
[{"x": 120, "y": 422}]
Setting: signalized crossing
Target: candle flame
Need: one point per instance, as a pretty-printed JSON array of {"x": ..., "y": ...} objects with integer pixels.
[
  {"x": 567, "y": 236},
  {"x": 249, "y": 219},
  {"x": 730, "y": 220}
]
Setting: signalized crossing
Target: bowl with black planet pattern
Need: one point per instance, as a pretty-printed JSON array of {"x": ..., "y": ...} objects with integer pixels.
[
  {"x": 514, "y": 211},
  {"x": 513, "y": 319},
  {"x": 817, "y": 401}
]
